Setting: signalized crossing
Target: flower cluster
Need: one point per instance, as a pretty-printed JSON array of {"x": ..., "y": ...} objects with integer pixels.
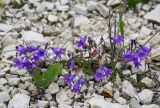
[
  {"x": 30, "y": 57},
  {"x": 138, "y": 56},
  {"x": 103, "y": 73},
  {"x": 77, "y": 87}
]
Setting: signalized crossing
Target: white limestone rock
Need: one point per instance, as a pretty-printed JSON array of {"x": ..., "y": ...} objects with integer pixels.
[
  {"x": 4, "y": 96},
  {"x": 33, "y": 37},
  {"x": 81, "y": 20},
  {"x": 113, "y": 2},
  {"x": 103, "y": 10},
  {"x": 154, "y": 15},
  {"x": 148, "y": 82},
  {"x": 52, "y": 18},
  {"x": 82, "y": 10},
  {"x": 19, "y": 101},
  {"x": 145, "y": 95},
  {"x": 91, "y": 5},
  {"x": 101, "y": 103},
  {"x": 6, "y": 27},
  {"x": 127, "y": 88}
]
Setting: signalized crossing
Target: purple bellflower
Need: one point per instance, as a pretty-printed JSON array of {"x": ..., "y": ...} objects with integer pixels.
[
  {"x": 118, "y": 39},
  {"x": 81, "y": 42},
  {"x": 108, "y": 72},
  {"x": 69, "y": 80},
  {"x": 78, "y": 85},
  {"x": 72, "y": 64},
  {"x": 31, "y": 48},
  {"x": 57, "y": 52},
  {"x": 99, "y": 75},
  {"x": 136, "y": 61},
  {"x": 18, "y": 63},
  {"x": 21, "y": 50},
  {"x": 128, "y": 56}
]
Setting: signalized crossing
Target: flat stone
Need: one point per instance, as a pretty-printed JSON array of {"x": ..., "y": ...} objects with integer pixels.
[
  {"x": 33, "y": 37},
  {"x": 4, "y": 96},
  {"x": 3, "y": 81},
  {"x": 154, "y": 15},
  {"x": 52, "y": 18},
  {"x": 64, "y": 2},
  {"x": 127, "y": 88},
  {"x": 91, "y": 5},
  {"x": 81, "y": 20},
  {"x": 148, "y": 82},
  {"x": 62, "y": 8},
  {"x": 145, "y": 32},
  {"x": 19, "y": 101},
  {"x": 80, "y": 9},
  {"x": 113, "y": 2},
  {"x": 52, "y": 89},
  {"x": 145, "y": 95},
  {"x": 103, "y": 10},
  {"x": 5, "y": 27},
  {"x": 13, "y": 81},
  {"x": 2, "y": 105},
  {"x": 42, "y": 104},
  {"x": 150, "y": 106},
  {"x": 101, "y": 103},
  {"x": 62, "y": 98}
]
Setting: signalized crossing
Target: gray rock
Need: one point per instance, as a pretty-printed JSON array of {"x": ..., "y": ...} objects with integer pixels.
[
  {"x": 80, "y": 9},
  {"x": 4, "y": 96},
  {"x": 145, "y": 32},
  {"x": 154, "y": 15},
  {"x": 81, "y": 20},
  {"x": 42, "y": 104},
  {"x": 133, "y": 78},
  {"x": 3, "y": 81},
  {"x": 126, "y": 72},
  {"x": 146, "y": 7},
  {"x": 2, "y": 105},
  {"x": 91, "y": 5},
  {"x": 134, "y": 103},
  {"x": 148, "y": 82},
  {"x": 64, "y": 106},
  {"x": 113, "y": 2},
  {"x": 13, "y": 81},
  {"x": 103, "y": 10},
  {"x": 5, "y": 27},
  {"x": 41, "y": 7},
  {"x": 19, "y": 101},
  {"x": 64, "y": 2},
  {"x": 62, "y": 98},
  {"x": 24, "y": 79},
  {"x": 48, "y": 97},
  {"x": 52, "y": 18},
  {"x": 33, "y": 37},
  {"x": 101, "y": 103},
  {"x": 52, "y": 89},
  {"x": 128, "y": 89},
  {"x": 145, "y": 95},
  {"x": 62, "y": 8},
  {"x": 121, "y": 100},
  {"x": 150, "y": 106}
]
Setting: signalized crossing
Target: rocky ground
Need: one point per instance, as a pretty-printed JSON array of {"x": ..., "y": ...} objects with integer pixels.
[{"x": 57, "y": 22}]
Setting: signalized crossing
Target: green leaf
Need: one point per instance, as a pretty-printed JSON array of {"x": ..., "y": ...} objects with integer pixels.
[
  {"x": 51, "y": 73},
  {"x": 38, "y": 78},
  {"x": 44, "y": 80}
]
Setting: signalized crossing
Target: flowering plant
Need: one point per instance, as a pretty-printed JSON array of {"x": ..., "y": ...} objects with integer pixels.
[{"x": 98, "y": 60}]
